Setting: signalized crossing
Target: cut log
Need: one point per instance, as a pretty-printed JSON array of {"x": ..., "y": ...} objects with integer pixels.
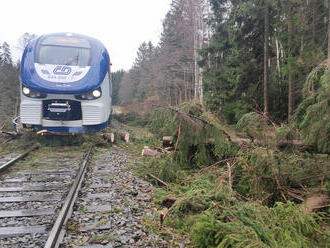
[
  {"x": 110, "y": 137},
  {"x": 167, "y": 141},
  {"x": 279, "y": 145},
  {"x": 147, "y": 152},
  {"x": 124, "y": 136}
]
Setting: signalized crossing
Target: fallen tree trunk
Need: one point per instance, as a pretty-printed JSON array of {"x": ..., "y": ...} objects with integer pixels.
[
  {"x": 296, "y": 143},
  {"x": 279, "y": 145}
]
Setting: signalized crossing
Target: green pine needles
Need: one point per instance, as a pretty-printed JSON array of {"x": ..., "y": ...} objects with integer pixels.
[
  {"x": 221, "y": 194},
  {"x": 251, "y": 225},
  {"x": 312, "y": 116},
  {"x": 197, "y": 140}
]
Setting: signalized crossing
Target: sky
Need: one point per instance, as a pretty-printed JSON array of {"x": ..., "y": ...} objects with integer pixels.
[{"x": 121, "y": 25}]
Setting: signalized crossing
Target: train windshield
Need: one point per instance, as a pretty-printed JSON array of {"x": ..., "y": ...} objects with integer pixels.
[{"x": 64, "y": 55}]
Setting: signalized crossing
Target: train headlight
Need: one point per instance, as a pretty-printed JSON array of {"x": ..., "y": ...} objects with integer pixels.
[
  {"x": 26, "y": 91},
  {"x": 32, "y": 93},
  {"x": 97, "y": 93},
  {"x": 92, "y": 95}
]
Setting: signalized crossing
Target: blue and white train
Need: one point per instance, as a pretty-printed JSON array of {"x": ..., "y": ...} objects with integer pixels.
[{"x": 65, "y": 84}]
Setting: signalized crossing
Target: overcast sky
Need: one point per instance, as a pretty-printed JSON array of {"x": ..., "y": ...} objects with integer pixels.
[{"x": 121, "y": 25}]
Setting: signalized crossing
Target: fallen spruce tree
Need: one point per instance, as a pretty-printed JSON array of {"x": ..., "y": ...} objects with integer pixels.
[{"x": 223, "y": 189}]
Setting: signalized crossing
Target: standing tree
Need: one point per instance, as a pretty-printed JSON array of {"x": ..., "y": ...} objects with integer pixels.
[
  {"x": 5, "y": 54},
  {"x": 329, "y": 35},
  {"x": 116, "y": 78},
  {"x": 24, "y": 40},
  {"x": 290, "y": 62},
  {"x": 9, "y": 87},
  {"x": 266, "y": 41}
]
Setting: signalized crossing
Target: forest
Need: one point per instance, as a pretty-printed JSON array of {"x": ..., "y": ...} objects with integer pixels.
[
  {"x": 234, "y": 57},
  {"x": 243, "y": 89}
]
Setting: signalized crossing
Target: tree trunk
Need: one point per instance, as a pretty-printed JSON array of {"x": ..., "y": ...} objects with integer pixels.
[
  {"x": 266, "y": 36},
  {"x": 329, "y": 34},
  {"x": 278, "y": 60},
  {"x": 290, "y": 69},
  {"x": 313, "y": 21},
  {"x": 195, "y": 65}
]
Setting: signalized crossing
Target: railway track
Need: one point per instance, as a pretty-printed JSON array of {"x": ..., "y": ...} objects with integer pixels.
[
  {"x": 61, "y": 200},
  {"x": 35, "y": 204}
]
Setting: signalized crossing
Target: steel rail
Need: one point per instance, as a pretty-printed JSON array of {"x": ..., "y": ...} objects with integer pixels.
[
  {"x": 14, "y": 160},
  {"x": 66, "y": 209}
]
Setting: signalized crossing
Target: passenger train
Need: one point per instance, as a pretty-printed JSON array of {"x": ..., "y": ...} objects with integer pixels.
[{"x": 65, "y": 84}]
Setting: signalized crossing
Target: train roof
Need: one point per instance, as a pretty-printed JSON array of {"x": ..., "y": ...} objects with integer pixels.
[{"x": 43, "y": 67}]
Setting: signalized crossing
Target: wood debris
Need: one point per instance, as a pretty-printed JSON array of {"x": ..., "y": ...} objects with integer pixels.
[{"x": 147, "y": 152}]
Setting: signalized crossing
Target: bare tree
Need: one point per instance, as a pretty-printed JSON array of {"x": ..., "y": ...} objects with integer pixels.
[
  {"x": 24, "y": 40},
  {"x": 201, "y": 12}
]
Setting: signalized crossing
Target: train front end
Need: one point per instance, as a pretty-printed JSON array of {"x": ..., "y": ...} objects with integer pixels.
[{"x": 65, "y": 84}]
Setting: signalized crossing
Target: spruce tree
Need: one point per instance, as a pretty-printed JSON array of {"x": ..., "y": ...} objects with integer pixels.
[{"x": 5, "y": 54}]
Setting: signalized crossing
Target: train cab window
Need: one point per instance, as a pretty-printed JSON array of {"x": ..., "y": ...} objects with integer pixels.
[
  {"x": 61, "y": 55},
  {"x": 58, "y": 50}
]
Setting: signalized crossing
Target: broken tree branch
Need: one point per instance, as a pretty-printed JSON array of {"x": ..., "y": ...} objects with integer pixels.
[{"x": 157, "y": 179}]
